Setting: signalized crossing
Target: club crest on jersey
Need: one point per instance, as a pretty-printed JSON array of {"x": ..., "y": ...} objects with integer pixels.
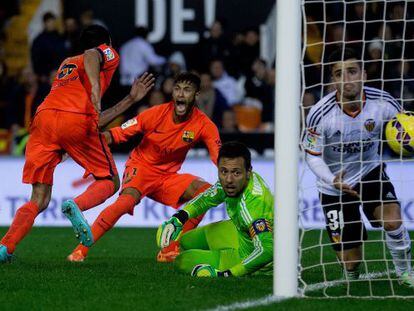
[
  {"x": 259, "y": 226},
  {"x": 109, "y": 55},
  {"x": 369, "y": 125},
  {"x": 129, "y": 123},
  {"x": 188, "y": 136},
  {"x": 66, "y": 70}
]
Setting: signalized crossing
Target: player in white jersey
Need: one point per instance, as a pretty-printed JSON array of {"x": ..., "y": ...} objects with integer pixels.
[{"x": 342, "y": 139}]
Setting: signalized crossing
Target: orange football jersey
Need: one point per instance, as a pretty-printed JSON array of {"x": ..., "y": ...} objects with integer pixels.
[
  {"x": 165, "y": 144},
  {"x": 71, "y": 90}
]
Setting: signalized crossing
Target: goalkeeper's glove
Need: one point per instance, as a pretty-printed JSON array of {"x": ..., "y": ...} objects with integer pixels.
[
  {"x": 204, "y": 270},
  {"x": 171, "y": 229}
]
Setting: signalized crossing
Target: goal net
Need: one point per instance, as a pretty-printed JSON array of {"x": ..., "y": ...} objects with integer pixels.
[{"x": 349, "y": 138}]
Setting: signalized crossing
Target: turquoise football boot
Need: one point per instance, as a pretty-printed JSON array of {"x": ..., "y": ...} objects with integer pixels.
[
  {"x": 80, "y": 225},
  {"x": 4, "y": 255}
]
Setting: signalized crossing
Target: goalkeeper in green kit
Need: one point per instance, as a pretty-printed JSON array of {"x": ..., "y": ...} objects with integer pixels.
[{"x": 239, "y": 246}]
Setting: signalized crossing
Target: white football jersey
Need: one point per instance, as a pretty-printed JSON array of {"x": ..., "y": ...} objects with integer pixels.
[{"x": 348, "y": 142}]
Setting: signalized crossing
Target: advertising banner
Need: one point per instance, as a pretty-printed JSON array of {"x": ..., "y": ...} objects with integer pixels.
[{"x": 68, "y": 183}]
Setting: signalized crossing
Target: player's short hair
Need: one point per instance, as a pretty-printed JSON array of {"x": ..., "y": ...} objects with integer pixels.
[
  {"x": 234, "y": 149},
  {"x": 93, "y": 36},
  {"x": 47, "y": 16},
  {"x": 340, "y": 55},
  {"x": 141, "y": 31},
  {"x": 188, "y": 77}
]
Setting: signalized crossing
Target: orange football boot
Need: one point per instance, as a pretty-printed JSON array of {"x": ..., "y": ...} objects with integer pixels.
[
  {"x": 168, "y": 254},
  {"x": 76, "y": 256}
]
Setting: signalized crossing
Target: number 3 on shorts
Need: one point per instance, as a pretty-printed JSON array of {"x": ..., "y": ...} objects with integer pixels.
[{"x": 335, "y": 219}]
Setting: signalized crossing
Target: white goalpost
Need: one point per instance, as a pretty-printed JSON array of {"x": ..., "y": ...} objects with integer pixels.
[
  {"x": 288, "y": 43},
  {"x": 307, "y": 32}
]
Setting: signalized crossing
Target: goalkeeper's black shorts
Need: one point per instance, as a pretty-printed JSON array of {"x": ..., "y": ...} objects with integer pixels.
[{"x": 342, "y": 215}]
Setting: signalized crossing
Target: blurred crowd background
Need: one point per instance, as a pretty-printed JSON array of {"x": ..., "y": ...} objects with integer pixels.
[{"x": 237, "y": 86}]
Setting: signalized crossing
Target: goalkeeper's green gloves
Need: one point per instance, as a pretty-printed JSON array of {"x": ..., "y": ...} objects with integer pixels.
[
  {"x": 171, "y": 229},
  {"x": 204, "y": 270}
]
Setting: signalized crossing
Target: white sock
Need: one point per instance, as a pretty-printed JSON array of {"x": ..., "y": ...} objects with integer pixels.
[{"x": 399, "y": 244}]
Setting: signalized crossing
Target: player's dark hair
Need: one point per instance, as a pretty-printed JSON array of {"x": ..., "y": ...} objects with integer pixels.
[
  {"x": 141, "y": 32},
  {"x": 234, "y": 149},
  {"x": 47, "y": 16},
  {"x": 340, "y": 55},
  {"x": 188, "y": 77},
  {"x": 93, "y": 36}
]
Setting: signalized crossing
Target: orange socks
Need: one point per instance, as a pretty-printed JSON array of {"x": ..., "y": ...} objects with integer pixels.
[
  {"x": 108, "y": 217},
  {"x": 193, "y": 222},
  {"x": 21, "y": 225},
  {"x": 96, "y": 194}
]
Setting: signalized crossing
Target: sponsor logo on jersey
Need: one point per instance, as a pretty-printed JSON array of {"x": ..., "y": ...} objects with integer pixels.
[
  {"x": 109, "y": 55},
  {"x": 355, "y": 147},
  {"x": 369, "y": 125},
  {"x": 188, "y": 136},
  {"x": 66, "y": 70},
  {"x": 129, "y": 123},
  {"x": 259, "y": 226}
]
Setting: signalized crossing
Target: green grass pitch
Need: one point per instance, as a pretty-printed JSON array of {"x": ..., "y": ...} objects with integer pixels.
[{"x": 121, "y": 274}]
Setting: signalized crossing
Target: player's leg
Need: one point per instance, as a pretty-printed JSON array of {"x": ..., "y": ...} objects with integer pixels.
[
  {"x": 383, "y": 210},
  {"x": 397, "y": 237},
  {"x": 97, "y": 193},
  {"x": 215, "y": 244},
  {"x": 24, "y": 219},
  {"x": 42, "y": 156},
  {"x": 176, "y": 190},
  {"x": 218, "y": 235},
  {"x": 88, "y": 148},
  {"x": 136, "y": 182},
  {"x": 124, "y": 204},
  {"x": 346, "y": 230}
]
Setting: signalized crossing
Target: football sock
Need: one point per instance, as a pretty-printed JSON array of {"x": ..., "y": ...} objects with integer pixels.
[
  {"x": 21, "y": 225},
  {"x": 193, "y": 222},
  {"x": 108, "y": 217},
  {"x": 399, "y": 244},
  {"x": 96, "y": 194}
]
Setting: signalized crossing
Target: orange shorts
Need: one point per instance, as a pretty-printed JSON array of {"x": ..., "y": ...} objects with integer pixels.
[
  {"x": 55, "y": 132},
  {"x": 165, "y": 188}
]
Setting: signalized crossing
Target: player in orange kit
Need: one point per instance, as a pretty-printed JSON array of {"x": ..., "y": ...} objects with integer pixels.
[
  {"x": 169, "y": 131},
  {"x": 68, "y": 121}
]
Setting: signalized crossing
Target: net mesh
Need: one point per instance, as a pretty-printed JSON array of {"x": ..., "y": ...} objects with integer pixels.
[{"x": 382, "y": 32}]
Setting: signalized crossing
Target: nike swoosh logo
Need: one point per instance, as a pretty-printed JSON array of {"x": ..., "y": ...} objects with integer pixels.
[{"x": 158, "y": 132}]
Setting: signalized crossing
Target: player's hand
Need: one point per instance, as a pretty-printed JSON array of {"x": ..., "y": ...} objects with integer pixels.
[
  {"x": 142, "y": 86},
  {"x": 340, "y": 185},
  {"x": 169, "y": 231},
  {"x": 204, "y": 270}
]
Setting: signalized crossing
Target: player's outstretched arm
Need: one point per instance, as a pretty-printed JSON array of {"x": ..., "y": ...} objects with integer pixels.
[{"x": 139, "y": 89}]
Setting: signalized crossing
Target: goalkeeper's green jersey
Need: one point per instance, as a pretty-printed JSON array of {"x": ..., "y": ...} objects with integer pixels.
[{"x": 252, "y": 214}]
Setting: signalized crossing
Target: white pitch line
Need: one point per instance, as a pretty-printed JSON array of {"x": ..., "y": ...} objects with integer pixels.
[
  {"x": 270, "y": 299},
  {"x": 365, "y": 276},
  {"x": 267, "y": 300}
]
